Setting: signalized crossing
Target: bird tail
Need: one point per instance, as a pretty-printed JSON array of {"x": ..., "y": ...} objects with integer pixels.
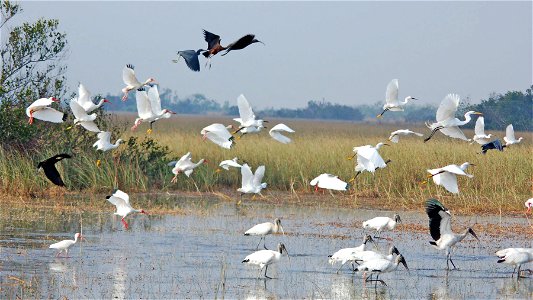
[
  {"x": 433, "y": 243},
  {"x": 501, "y": 260},
  {"x": 246, "y": 234},
  {"x": 246, "y": 260}
]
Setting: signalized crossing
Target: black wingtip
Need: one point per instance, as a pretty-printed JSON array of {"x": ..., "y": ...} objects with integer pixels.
[
  {"x": 246, "y": 260},
  {"x": 130, "y": 66},
  {"x": 501, "y": 260},
  {"x": 433, "y": 243}
]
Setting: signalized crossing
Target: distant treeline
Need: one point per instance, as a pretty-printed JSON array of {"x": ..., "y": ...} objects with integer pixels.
[{"x": 500, "y": 110}]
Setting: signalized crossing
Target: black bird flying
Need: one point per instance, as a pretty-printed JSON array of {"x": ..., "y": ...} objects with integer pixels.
[{"x": 50, "y": 169}]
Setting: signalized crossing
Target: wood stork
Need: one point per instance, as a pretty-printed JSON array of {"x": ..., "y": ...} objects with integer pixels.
[
  {"x": 84, "y": 99},
  {"x": 251, "y": 183},
  {"x": 275, "y": 133},
  {"x": 131, "y": 81},
  {"x": 184, "y": 165},
  {"x": 509, "y": 137},
  {"x": 395, "y": 135},
  {"x": 219, "y": 134},
  {"x": 264, "y": 258},
  {"x": 191, "y": 58},
  {"x": 225, "y": 164},
  {"x": 380, "y": 266},
  {"x": 50, "y": 170},
  {"x": 344, "y": 255},
  {"x": 447, "y": 123},
  {"x": 367, "y": 255},
  {"x": 122, "y": 202},
  {"x": 104, "y": 142},
  {"x": 447, "y": 176},
  {"x": 480, "y": 136},
  {"x": 64, "y": 245},
  {"x": 391, "y": 98},
  {"x": 149, "y": 107},
  {"x": 381, "y": 223},
  {"x": 264, "y": 229},
  {"x": 329, "y": 181},
  {"x": 516, "y": 257},
  {"x": 82, "y": 118},
  {"x": 40, "y": 110},
  {"x": 441, "y": 229},
  {"x": 248, "y": 123}
]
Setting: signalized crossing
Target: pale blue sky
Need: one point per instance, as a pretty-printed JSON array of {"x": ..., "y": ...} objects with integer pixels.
[{"x": 345, "y": 52}]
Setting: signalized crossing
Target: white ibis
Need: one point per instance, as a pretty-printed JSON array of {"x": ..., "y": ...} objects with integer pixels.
[
  {"x": 480, "y": 136},
  {"x": 218, "y": 134},
  {"x": 248, "y": 123},
  {"x": 275, "y": 133},
  {"x": 529, "y": 204},
  {"x": 391, "y": 98},
  {"x": 447, "y": 176},
  {"x": 64, "y": 245},
  {"x": 344, "y": 255},
  {"x": 516, "y": 257},
  {"x": 264, "y": 229},
  {"x": 395, "y": 135},
  {"x": 381, "y": 223},
  {"x": 509, "y": 137},
  {"x": 82, "y": 118},
  {"x": 441, "y": 229},
  {"x": 40, "y": 110},
  {"x": 122, "y": 201},
  {"x": 447, "y": 123},
  {"x": 251, "y": 183},
  {"x": 104, "y": 142},
  {"x": 131, "y": 81},
  {"x": 380, "y": 266},
  {"x": 50, "y": 170},
  {"x": 264, "y": 258},
  {"x": 184, "y": 165},
  {"x": 226, "y": 164},
  {"x": 149, "y": 107},
  {"x": 328, "y": 181},
  {"x": 84, "y": 99}
]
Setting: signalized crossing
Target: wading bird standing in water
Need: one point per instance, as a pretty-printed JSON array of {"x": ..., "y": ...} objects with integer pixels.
[
  {"x": 65, "y": 245},
  {"x": 264, "y": 258},
  {"x": 264, "y": 229}
]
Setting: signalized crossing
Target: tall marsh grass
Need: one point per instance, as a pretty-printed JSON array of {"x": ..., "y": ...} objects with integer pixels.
[{"x": 502, "y": 180}]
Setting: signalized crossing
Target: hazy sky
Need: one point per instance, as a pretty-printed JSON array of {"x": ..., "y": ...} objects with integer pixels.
[{"x": 344, "y": 52}]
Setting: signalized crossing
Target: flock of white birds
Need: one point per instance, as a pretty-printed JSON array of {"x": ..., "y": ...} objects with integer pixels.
[{"x": 368, "y": 160}]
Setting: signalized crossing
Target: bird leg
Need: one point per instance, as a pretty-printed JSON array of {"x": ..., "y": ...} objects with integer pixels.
[
  {"x": 432, "y": 133},
  {"x": 264, "y": 241},
  {"x": 174, "y": 179},
  {"x": 351, "y": 157},
  {"x": 266, "y": 276},
  {"x": 381, "y": 114},
  {"x": 257, "y": 247},
  {"x": 57, "y": 255},
  {"x": 30, "y": 121},
  {"x": 342, "y": 264},
  {"x": 125, "y": 97},
  {"x": 125, "y": 223}
]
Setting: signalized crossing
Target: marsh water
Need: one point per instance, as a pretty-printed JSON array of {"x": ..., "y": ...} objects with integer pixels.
[{"x": 198, "y": 252}]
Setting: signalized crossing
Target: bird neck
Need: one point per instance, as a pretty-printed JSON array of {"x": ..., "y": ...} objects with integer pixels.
[
  {"x": 404, "y": 102},
  {"x": 468, "y": 117}
]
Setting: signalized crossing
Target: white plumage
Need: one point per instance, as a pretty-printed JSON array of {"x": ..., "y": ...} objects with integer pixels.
[
  {"x": 328, "y": 181},
  {"x": 264, "y": 229},
  {"x": 264, "y": 258},
  {"x": 65, "y": 244},
  {"x": 516, "y": 257},
  {"x": 391, "y": 98},
  {"x": 380, "y": 266},
  {"x": 447, "y": 123},
  {"x": 480, "y": 137},
  {"x": 344, "y": 255},
  {"x": 131, "y": 82},
  {"x": 149, "y": 107},
  {"x": 218, "y": 134},
  {"x": 225, "y": 164},
  {"x": 368, "y": 255},
  {"x": 529, "y": 204},
  {"x": 248, "y": 123},
  {"x": 509, "y": 137},
  {"x": 395, "y": 135},
  {"x": 40, "y": 110},
  {"x": 275, "y": 133},
  {"x": 82, "y": 118},
  {"x": 447, "y": 176},
  {"x": 185, "y": 165},
  {"x": 381, "y": 223},
  {"x": 251, "y": 183},
  {"x": 84, "y": 99},
  {"x": 104, "y": 142},
  {"x": 368, "y": 158},
  {"x": 121, "y": 201}
]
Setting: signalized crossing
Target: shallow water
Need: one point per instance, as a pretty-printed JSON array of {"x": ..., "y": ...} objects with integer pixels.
[{"x": 199, "y": 254}]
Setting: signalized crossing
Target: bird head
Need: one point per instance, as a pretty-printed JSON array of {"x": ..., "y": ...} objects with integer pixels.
[
  {"x": 151, "y": 80},
  {"x": 282, "y": 249},
  {"x": 120, "y": 141},
  {"x": 397, "y": 218},
  {"x": 143, "y": 212},
  {"x": 408, "y": 98},
  {"x": 471, "y": 231},
  {"x": 529, "y": 207},
  {"x": 54, "y": 99},
  {"x": 78, "y": 236},
  {"x": 368, "y": 238},
  {"x": 257, "y": 41},
  {"x": 278, "y": 223}
]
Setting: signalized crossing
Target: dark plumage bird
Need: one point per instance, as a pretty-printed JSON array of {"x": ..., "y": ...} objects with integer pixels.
[
  {"x": 496, "y": 144},
  {"x": 214, "y": 46},
  {"x": 242, "y": 43},
  {"x": 441, "y": 229},
  {"x": 191, "y": 58},
  {"x": 50, "y": 169}
]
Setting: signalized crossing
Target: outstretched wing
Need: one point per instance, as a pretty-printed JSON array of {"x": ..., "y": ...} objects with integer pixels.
[
  {"x": 258, "y": 176},
  {"x": 332, "y": 182},
  {"x": 90, "y": 125},
  {"x": 454, "y": 132},
  {"x": 120, "y": 194},
  {"x": 247, "y": 175},
  {"x": 448, "y": 107},
  {"x": 144, "y": 106},
  {"x": 78, "y": 111},
  {"x": 480, "y": 126},
  {"x": 104, "y": 136},
  {"x": 191, "y": 59},
  {"x": 211, "y": 39},
  {"x": 245, "y": 110},
  {"x": 218, "y": 139},
  {"x": 128, "y": 76},
  {"x": 275, "y": 133},
  {"x": 49, "y": 114},
  {"x": 509, "y": 133},
  {"x": 391, "y": 95},
  {"x": 439, "y": 219},
  {"x": 155, "y": 100}
]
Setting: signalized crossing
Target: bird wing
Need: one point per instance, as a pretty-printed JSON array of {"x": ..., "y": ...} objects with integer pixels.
[
  {"x": 120, "y": 194},
  {"x": 439, "y": 219},
  {"x": 104, "y": 136},
  {"x": 241, "y": 43},
  {"x": 245, "y": 110},
  {"x": 144, "y": 107},
  {"x": 62, "y": 245},
  {"x": 454, "y": 132},
  {"x": 39, "y": 102},
  {"x": 229, "y": 163},
  {"x": 247, "y": 175},
  {"x": 448, "y": 107},
  {"x": 90, "y": 125},
  {"x": 448, "y": 181},
  {"x": 509, "y": 133},
  {"x": 391, "y": 95},
  {"x": 259, "y": 229},
  {"x": 479, "y": 129},
  {"x": 78, "y": 111},
  {"x": 191, "y": 59},
  {"x": 49, "y": 114},
  {"x": 332, "y": 182},
  {"x": 258, "y": 176},
  {"x": 53, "y": 174},
  {"x": 371, "y": 159},
  {"x": 128, "y": 76},
  {"x": 188, "y": 172},
  {"x": 395, "y": 138},
  {"x": 155, "y": 100},
  {"x": 211, "y": 39},
  {"x": 275, "y": 133},
  {"x": 454, "y": 169},
  {"x": 118, "y": 202},
  {"x": 260, "y": 257},
  {"x": 220, "y": 140},
  {"x": 84, "y": 97}
]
